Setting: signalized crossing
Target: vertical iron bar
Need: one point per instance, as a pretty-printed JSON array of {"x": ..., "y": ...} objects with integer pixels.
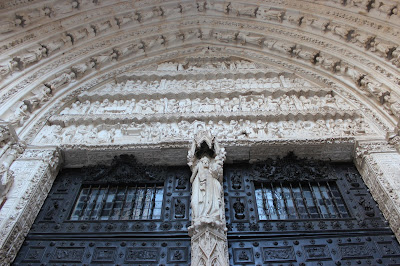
[
  {"x": 323, "y": 198},
  {"x": 94, "y": 202},
  {"x": 294, "y": 201},
  {"x": 274, "y": 200},
  {"x": 333, "y": 199},
  {"x": 134, "y": 201},
  {"x": 315, "y": 201},
  {"x": 86, "y": 203},
  {"x": 113, "y": 203},
  {"x": 284, "y": 200},
  {"x": 104, "y": 200},
  {"x": 304, "y": 200},
  {"x": 266, "y": 209},
  {"x": 123, "y": 203},
  {"x": 153, "y": 202},
  {"x": 143, "y": 202}
]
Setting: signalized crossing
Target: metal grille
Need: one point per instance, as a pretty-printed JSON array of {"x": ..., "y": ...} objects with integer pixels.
[
  {"x": 108, "y": 202},
  {"x": 302, "y": 200}
]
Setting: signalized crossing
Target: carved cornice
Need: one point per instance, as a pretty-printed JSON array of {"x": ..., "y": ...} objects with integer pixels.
[{"x": 174, "y": 152}]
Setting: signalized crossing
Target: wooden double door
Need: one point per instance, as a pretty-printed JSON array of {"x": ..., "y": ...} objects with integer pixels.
[{"x": 288, "y": 211}]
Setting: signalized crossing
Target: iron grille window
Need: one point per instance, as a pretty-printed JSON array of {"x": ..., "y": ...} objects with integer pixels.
[
  {"x": 112, "y": 202},
  {"x": 299, "y": 200}
]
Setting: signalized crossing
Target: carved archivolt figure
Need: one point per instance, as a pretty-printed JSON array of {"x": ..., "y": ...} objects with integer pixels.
[
  {"x": 8, "y": 68},
  {"x": 268, "y": 14},
  {"x": 34, "y": 55},
  {"x": 7, "y": 26},
  {"x": 19, "y": 116}
]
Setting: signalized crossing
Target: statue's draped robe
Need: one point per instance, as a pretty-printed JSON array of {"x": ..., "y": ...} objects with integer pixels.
[{"x": 206, "y": 193}]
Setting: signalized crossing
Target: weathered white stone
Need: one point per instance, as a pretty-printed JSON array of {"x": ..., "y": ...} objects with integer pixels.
[
  {"x": 140, "y": 77},
  {"x": 208, "y": 227}
]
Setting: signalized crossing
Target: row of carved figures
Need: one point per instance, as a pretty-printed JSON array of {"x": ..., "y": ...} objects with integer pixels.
[
  {"x": 30, "y": 16},
  {"x": 252, "y": 103},
  {"x": 198, "y": 66},
  {"x": 385, "y": 49},
  {"x": 43, "y": 93},
  {"x": 364, "y": 81},
  {"x": 211, "y": 84},
  {"x": 234, "y": 129}
]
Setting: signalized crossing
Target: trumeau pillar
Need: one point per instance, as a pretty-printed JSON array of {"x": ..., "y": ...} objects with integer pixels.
[
  {"x": 379, "y": 165},
  {"x": 208, "y": 229}
]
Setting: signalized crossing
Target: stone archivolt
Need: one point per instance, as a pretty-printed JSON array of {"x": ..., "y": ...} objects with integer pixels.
[{"x": 279, "y": 16}]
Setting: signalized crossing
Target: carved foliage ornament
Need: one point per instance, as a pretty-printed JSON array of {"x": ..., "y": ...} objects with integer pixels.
[
  {"x": 126, "y": 169},
  {"x": 291, "y": 168}
]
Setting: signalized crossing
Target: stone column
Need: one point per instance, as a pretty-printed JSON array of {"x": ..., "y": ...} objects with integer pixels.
[
  {"x": 208, "y": 229},
  {"x": 379, "y": 165},
  {"x": 33, "y": 173}
]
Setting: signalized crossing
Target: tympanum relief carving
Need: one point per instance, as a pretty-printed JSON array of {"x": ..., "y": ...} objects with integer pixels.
[
  {"x": 208, "y": 104},
  {"x": 267, "y": 106},
  {"x": 247, "y": 129}
]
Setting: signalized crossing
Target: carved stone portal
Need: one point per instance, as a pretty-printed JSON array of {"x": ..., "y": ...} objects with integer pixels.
[{"x": 208, "y": 229}]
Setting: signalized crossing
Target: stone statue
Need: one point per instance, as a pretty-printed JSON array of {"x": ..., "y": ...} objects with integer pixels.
[
  {"x": 19, "y": 116},
  {"x": 206, "y": 181},
  {"x": 269, "y": 14},
  {"x": 33, "y": 55},
  {"x": 8, "y": 68},
  {"x": 12, "y": 151},
  {"x": 7, "y": 26},
  {"x": 206, "y": 159},
  {"x": 61, "y": 80},
  {"x": 206, "y": 192}
]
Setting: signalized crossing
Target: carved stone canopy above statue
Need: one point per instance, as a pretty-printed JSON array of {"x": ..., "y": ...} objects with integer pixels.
[
  {"x": 205, "y": 145},
  {"x": 126, "y": 169}
]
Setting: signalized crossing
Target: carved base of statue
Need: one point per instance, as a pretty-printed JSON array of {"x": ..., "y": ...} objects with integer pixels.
[{"x": 209, "y": 247}]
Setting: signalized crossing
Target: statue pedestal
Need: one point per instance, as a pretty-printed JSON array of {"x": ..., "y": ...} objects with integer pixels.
[{"x": 209, "y": 244}]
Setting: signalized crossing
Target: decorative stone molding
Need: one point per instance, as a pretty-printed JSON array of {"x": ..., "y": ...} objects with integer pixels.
[
  {"x": 208, "y": 228},
  {"x": 34, "y": 173},
  {"x": 379, "y": 165},
  {"x": 10, "y": 148}
]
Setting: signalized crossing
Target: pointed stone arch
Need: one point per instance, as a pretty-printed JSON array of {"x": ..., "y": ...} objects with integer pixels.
[{"x": 54, "y": 53}]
